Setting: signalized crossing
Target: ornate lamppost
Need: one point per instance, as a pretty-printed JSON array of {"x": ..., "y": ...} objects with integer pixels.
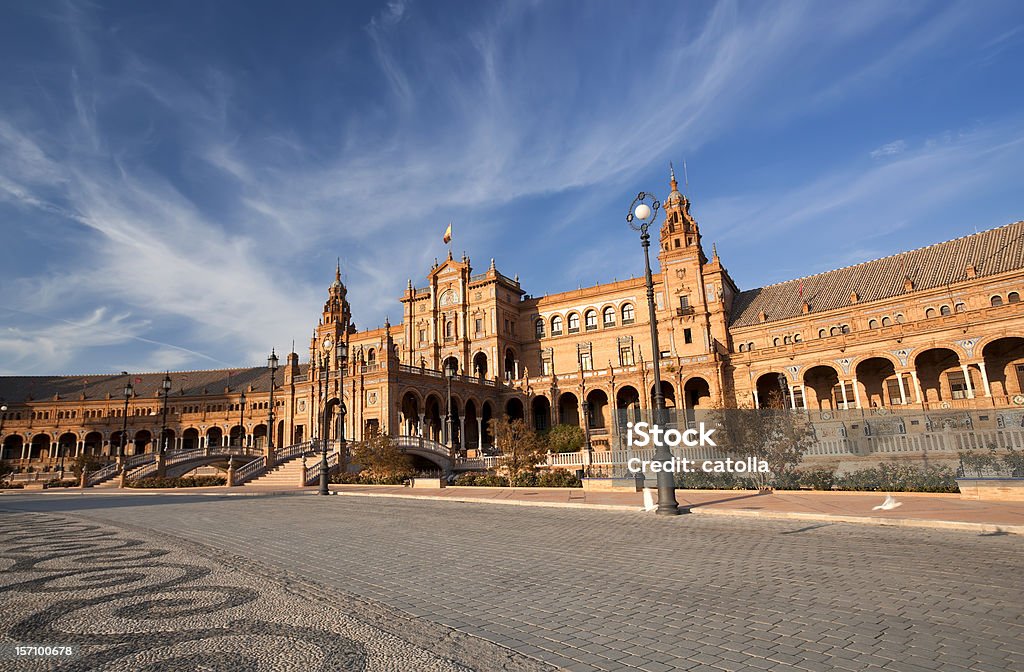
[
  {"x": 449, "y": 373},
  {"x": 165, "y": 385},
  {"x": 241, "y": 422},
  {"x": 640, "y": 217},
  {"x": 325, "y": 365},
  {"x": 128, "y": 390},
  {"x": 3, "y": 415},
  {"x": 272, "y": 361}
]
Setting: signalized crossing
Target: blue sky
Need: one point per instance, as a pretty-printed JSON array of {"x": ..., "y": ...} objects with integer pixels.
[{"x": 177, "y": 179}]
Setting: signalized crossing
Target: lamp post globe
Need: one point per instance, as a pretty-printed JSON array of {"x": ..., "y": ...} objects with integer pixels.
[{"x": 642, "y": 214}]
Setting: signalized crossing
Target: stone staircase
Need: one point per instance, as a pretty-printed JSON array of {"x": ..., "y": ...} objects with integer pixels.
[{"x": 285, "y": 475}]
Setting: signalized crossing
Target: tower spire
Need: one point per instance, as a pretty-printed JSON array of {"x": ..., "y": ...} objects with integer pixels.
[
  {"x": 337, "y": 271},
  {"x": 672, "y": 177}
]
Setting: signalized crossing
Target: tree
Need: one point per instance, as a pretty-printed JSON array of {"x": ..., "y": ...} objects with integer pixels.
[
  {"x": 565, "y": 438},
  {"x": 89, "y": 463},
  {"x": 521, "y": 448},
  {"x": 380, "y": 458},
  {"x": 775, "y": 434}
]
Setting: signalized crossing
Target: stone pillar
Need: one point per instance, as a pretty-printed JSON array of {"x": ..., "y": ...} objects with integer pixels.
[
  {"x": 846, "y": 401},
  {"x": 462, "y": 432},
  {"x": 480, "y": 434},
  {"x": 302, "y": 473},
  {"x": 917, "y": 387},
  {"x": 856, "y": 392},
  {"x": 967, "y": 381},
  {"x": 757, "y": 402},
  {"x": 984, "y": 379},
  {"x": 792, "y": 395},
  {"x": 231, "y": 471},
  {"x": 85, "y": 479},
  {"x": 161, "y": 465},
  {"x": 903, "y": 389}
]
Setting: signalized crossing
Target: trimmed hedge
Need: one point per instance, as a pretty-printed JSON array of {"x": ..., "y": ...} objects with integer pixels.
[
  {"x": 556, "y": 478},
  {"x": 886, "y": 477},
  {"x": 348, "y": 478},
  {"x": 182, "y": 482},
  {"x": 57, "y": 483}
]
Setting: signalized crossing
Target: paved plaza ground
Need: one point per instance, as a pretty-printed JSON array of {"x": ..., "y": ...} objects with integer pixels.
[{"x": 576, "y": 588}]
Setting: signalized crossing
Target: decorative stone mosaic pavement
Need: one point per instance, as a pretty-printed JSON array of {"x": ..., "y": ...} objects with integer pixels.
[{"x": 129, "y": 600}]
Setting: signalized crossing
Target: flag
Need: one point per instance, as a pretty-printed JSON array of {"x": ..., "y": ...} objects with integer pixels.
[
  {"x": 801, "y": 288},
  {"x": 448, "y": 233}
]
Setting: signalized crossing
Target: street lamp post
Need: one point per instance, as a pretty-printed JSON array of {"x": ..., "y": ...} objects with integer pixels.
[
  {"x": 241, "y": 422},
  {"x": 3, "y": 415},
  {"x": 272, "y": 361},
  {"x": 640, "y": 217},
  {"x": 449, "y": 373},
  {"x": 165, "y": 385},
  {"x": 342, "y": 363},
  {"x": 128, "y": 390},
  {"x": 325, "y": 364}
]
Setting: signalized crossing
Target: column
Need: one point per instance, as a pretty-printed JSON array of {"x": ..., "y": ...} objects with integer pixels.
[
  {"x": 480, "y": 434},
  {"x": 757, "y": 402},
  {"x": 419, "y": 432},
  {"x": 462, "y": 431},
  {"x": 984, "y": 379},
  {"x": 903, "y": 390},
  {"x": 919, "y": 397},
  {"x": 846, "y": 402},
  {"x": 856, "y": 392},
  {"x": 967, "y": 381}
]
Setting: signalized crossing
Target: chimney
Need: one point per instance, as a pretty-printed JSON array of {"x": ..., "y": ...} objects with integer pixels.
[
  {"x": 972, "y": 272},
  {"x": 854, "y": 297},
  {"x": 908, "y": 284}
]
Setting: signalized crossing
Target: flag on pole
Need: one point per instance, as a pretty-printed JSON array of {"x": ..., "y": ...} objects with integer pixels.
[{"x": 448, "y": 233}]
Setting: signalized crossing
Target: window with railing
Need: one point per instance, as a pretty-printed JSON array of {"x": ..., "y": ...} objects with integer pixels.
[
  {"x": 590, "y": 320},
  {"x": 556, "y": 325},
  {"x": 574, "y": 323},
  {"x": 628, "y": 313},
  {"x": 609, "y": 316}
]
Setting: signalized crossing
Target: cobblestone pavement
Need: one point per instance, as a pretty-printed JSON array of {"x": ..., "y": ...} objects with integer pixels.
[
  {"x": 594, "y": 590},
  {"x": 125, "y": 601}
]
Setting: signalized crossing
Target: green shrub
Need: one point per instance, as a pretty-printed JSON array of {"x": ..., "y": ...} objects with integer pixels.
[
  {"x": 703, "y": 480},
  {"x": 819, "y": 478},
  {"x": 7, "y": 485},
  {"x": 899, "y": 477},
  {"x": 468, "y": 478},
  {"x": 558, "y": 478},
  {"x": 1014, "y": 462},
  {"x": 182, "y": 482},
  {"x": 564, "y": 438},
  {"x": 57, "y": 483}
]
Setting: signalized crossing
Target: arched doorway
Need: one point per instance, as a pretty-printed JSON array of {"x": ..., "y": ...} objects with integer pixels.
[
  {"x": 627, "y": 401},
  {"x": 143, "y": 442},
  {"x": 67, "y": 446},
  {"x": 940, "y": 375},
  {"x": 259, "y": 436},
  {"x": 12, "y": 447},
  {"x": 541, "y": 408},
  {"x": 450, "y": 363},
  {"x": 168, "y": 441},
  {"x": 819, "y": 384},
  {"x": 40, "y": 447},
  {"x": 190, "y": 439},
  {"x": 514, "y": 409},
  {"x": 510, "y": 364},
  {"x": 92, "y": 444},
  {"x": 568, "y": 409},
  {"x": 487, "y": 416},
  {"x": 480, "y": 365},
  {"x": 236, "y": 436},
  {"x": 696, "y": 393},
  {"x": 410, "y": 410},
  {"x": 773, "y": 391},
  {"x": 876, "y": 377},
  {"x": 598, "y": 405},
  {"x": 473, "y": 427},
  {"x": 214, "y": 437},
  {"x": 1004, "y": 364},
  {"x": 668, "y": 393},
  {"x": 433, "y": 419}
]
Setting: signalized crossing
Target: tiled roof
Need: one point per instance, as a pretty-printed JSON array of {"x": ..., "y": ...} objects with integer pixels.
[
  {"x": 991, "y": 252},
  {"x": 15, "y": 389}
]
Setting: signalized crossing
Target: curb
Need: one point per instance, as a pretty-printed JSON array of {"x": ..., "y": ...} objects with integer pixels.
[
  {"x": 990, "y": 528},
  {"x": 505, "y": 502}
]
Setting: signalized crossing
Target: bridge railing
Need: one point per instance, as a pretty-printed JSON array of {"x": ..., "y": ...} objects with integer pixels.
[
  {"x": 313, "y": 472},
  {"x": 422, "y": 443},
  {"x": 250, "y": 470},
  {"x": 294, "y": 450},
  {"x": 111, "y": 469}
]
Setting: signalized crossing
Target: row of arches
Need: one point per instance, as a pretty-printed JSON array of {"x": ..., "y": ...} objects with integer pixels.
[
  {"x": 932, "y": 376},
  {"x": 571, "y": 323},
  {"x": 45, "y": 446}
]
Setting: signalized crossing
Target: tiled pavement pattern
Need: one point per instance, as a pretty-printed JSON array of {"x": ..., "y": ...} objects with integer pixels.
[
  {"x": 127, "y": 600},
  {"x": 594, "y": 590}
]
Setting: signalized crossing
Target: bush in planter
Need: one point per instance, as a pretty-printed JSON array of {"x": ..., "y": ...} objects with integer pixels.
[
  {"x": 819, "y": 478},
  {"x": 558, "y": 478},
  {"x": 57, "y": 483},
  {"x": 468, "y": 478},
  {"x": 7, "y": 485},
  {"x": 345, "y": 478},
  {"x": 182, "y": 482},
  {"x": 899, "y": 477},
  {"x": 703, "y": 480}
]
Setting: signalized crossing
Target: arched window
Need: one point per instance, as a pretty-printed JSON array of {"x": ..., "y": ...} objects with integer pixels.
[
  {"x": 1013, "y": 297},
  {"x": 798, "y": 338},
  {"x": 449, "y": 329},
  {"x": 787, "y": 340},
  {"x": 609, "y": 316},
  {"x": 627, "y": 313},
  {"x": 886, "y": 321},
  {"x": 821, "y": 333},
  {"x": 845, "y": 328},
  {"x": 743, "y": 347},
  {"x": 556, "y": 325},
  {"x": 590, "y": 319},
  {"x": 945, "y": 310},
  {"x": 996, "y": 300},
  {"x": 750, "y": 346},
  {"x": 371, "y": 354},
  {"x": 959, "y": 307},
  {"x": 775, "y": 342},
  {"x": 539, "y": 327},
  {"x": 574, "y": 323},
  {"x": 834, "y": 331},
  {"x": 929, "y": 313},
  {"x": 872, "y": 324},
  {"x": 899, "y": 318}
]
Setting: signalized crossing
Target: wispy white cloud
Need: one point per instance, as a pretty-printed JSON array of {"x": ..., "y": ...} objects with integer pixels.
[{"x": 889, "y": 149}]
